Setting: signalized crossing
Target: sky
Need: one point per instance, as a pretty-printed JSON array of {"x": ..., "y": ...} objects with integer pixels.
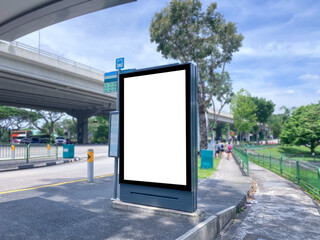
[{"x": 279, "y": 59}]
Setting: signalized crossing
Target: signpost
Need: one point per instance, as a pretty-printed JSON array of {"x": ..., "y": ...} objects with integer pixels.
[{"x": 114, "y": 150}]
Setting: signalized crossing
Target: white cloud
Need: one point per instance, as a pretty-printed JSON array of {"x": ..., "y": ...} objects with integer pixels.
[
  {"x": 309, "y": 77},
  {"x": 290, "y": 91}
]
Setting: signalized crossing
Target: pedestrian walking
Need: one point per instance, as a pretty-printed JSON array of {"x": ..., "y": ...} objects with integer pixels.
[
  {"x": 229, "y": 150},
  {"x": 222, "y": 150},
  {"x": 217, "y": 148}
]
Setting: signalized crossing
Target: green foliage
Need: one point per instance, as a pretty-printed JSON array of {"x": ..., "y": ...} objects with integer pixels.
[
  {"x": 244, "y": 111},
  {"x": 276, "y": 123},
  {"x": 12, "y": 118},
  {"x": 68, "y": 126},
  {"x": 303, "y": 127},
  {"x": 99, "y": 128},
  {"x": 264, "y": 109},
  {"x": 184, "y": 32}
]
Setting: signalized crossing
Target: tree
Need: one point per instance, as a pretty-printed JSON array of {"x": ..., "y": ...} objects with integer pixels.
[
  {"x": 50, "y": 119},
  {"x": 66, "y": 127},
  {"x": 12, "y": 118},
  {"x": 224, "y": 95},
  {"x": 264, "y": 110},
  {"x": 182, "y": 31},
  {"x": 101, "y": 133},
  {"x": 244, "y": 111},
  {"x": 275, "y": 123},
  {"x": 303, "y": 127},
  {"x": 287, "y": 113}
]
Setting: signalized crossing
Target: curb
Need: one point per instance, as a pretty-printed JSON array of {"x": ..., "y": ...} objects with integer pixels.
[
  {"x": 211, "y": 227},
  {"x": 47, "y": 164}
]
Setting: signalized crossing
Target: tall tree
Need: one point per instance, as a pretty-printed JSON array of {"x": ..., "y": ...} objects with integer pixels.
[
  {"x": 276, "y": 123},
  {"x": 264, "y": 110},
  {"x": 13, "y": 118},
  {"x": 184, "y": 32},
  {"x": 49, "y": 118},
  {"x": 303, "y": 127},
  {"x": 223, "y": 94},
  {"x": 244, "y": 111}
]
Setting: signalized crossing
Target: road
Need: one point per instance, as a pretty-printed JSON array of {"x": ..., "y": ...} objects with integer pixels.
[{"x": 103, "y": 165}]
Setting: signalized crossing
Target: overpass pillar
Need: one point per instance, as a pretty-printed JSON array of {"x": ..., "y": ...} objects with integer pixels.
[
  {"x": 82, "y": 129},
  {"x": 218, "y": 132},
  {"x": 82, "y": 124}
]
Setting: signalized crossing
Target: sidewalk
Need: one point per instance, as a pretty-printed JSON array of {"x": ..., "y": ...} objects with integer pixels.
[
  {"x": 282, "y": 211},
  {"x": 83, "y": 210}
]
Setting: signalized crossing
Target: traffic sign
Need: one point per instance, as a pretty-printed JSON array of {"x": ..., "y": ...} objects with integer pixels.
[{"x": 119, "y": 63}]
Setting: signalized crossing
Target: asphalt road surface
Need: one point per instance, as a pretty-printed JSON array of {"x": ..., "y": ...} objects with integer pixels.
[{"x": 103, "y": 165}]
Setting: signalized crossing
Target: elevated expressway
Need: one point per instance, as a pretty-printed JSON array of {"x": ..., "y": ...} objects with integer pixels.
[
  {"x": 33, "y": 79},
  {"x": 39, "y": 80},
  {"x": 222, "y": 118}
]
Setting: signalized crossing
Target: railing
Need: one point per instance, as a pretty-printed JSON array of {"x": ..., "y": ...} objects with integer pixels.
[
  {"x": 54, "y": 56},
  {"x": 26, "y": 152},
  {"x": 261, "y": 146},
  {"x": 242, "y": 158},
  {"x": 303, "y": 173}
]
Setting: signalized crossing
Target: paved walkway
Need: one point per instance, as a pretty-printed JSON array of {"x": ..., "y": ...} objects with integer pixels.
[
  {"x": 282, "y": 211},
  {"x": 226, "y": 188}
]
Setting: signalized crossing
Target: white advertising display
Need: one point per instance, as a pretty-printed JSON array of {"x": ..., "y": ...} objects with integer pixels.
[{"x": 155, "y": 128}]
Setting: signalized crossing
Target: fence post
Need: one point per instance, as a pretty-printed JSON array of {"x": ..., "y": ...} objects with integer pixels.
[
  {"x": 258, "y": 158},
  {"x": 319, "y": 179},
  {"x": 270, "y": 161},
  {"x": 13, "y": 151},
  {"x": 28, "y": 153},
  {"x": 298, "y": 171},
  {"x": 57, "y": 152},
  {"x": 281, "y": 166},
  {"x": 247, "y": 164},
  {"x": 262, "y": 159}
]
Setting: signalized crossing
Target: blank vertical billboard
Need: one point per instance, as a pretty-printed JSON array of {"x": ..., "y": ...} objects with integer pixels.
[{"x": 155, "y": 127}]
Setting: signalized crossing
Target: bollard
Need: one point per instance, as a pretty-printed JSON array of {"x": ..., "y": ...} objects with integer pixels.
[
  {"x": 13, "y": 151},
  {"x": 90, "y": 165},
  {"x": 48, "y": 150}
]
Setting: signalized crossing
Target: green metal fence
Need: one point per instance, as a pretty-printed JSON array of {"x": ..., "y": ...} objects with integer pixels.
[
  {"x": 27, "y": 152},
  {"x": 242, "y": 158},
  {"x": 303, "y": 173},
  {"x": 261, "y": 146}
]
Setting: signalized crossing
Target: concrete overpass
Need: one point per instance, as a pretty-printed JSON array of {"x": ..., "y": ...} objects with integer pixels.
[
  {"x": 19, "y": 18},
  {"x": 36, "y": 79},
  {"x": 222, "y": 118}
]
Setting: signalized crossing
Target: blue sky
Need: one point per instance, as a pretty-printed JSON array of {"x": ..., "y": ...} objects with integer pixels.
[{"x": 279, "y": 59}]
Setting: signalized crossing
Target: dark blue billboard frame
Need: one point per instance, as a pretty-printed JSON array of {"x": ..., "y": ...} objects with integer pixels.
[{"x": 179, "y": 197}]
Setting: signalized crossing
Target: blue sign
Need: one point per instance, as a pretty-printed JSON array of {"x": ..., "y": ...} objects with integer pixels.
[{"x": 119, "y": 63}]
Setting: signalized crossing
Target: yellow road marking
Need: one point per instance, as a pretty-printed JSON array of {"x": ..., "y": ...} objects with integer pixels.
[{"x": 52, "y": 185}]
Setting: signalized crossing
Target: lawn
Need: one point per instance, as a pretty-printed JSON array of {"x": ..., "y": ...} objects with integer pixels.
[
  {"x": 206, "y": 173},
  {"x": 292, "y": 152}
]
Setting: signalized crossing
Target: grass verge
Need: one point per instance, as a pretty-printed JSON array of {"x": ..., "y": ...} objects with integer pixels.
[{"x": 294, "y": 152}]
